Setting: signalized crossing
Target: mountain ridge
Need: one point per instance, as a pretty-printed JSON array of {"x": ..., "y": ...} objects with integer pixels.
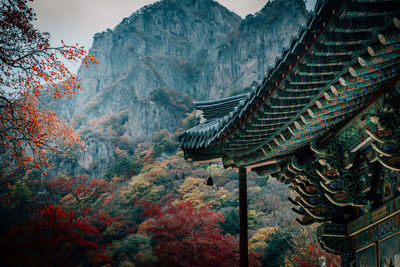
[{"x": 161, "y": 58}]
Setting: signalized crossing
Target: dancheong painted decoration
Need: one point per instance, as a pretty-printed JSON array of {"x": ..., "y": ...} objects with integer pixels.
[{"x": 326, "y": 121}]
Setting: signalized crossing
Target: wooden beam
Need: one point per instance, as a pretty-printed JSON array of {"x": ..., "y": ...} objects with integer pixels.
[
  {"x": 260, "y": 164},
  {"x": 214, "y": 160},
  {"x": 243, "y": 237}
]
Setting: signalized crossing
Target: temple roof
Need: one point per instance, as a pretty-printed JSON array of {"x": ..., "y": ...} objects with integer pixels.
[
  {"x": 338, "y": 63},
  {"x": 220, "y": 108}
]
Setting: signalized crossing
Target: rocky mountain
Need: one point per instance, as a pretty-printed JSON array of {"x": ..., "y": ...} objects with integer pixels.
[{"x": 161, "y": 58}]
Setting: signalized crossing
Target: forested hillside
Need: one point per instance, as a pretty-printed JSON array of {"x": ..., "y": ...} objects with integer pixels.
[{"x": 125, "y": 217}]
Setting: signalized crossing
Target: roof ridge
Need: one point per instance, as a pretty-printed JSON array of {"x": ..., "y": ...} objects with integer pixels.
[{"x": 217, "y": 101}]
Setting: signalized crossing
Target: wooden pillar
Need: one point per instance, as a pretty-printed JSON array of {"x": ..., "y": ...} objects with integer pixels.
[{"x": 243, "y": 247}]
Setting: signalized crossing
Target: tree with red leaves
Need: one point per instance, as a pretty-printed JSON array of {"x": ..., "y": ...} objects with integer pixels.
[
  {"x": 73, "y": 232},
  {"x": 28, "y": 67},
  {"x": 56, "y": 236},
  {"x": 78, "y": 191},
  {"x": 187, "y": 235}
]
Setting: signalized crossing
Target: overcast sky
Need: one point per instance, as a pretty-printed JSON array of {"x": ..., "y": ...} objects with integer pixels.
[{"x": 76, "y": 21}]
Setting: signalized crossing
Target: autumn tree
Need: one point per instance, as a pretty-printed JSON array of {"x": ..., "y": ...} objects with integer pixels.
[
  {"x": 56, "y": 236},
  {"x": 259, "y": 241},
  {"x": 189, "y": 236},
  {"x": 78, "y": 192},
  {"x": 68, "y": 225},
  {"x": 29, "y": 66}
]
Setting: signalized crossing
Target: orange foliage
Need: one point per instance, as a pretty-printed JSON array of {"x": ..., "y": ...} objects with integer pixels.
[
  {"x": 29, "y": 66},
  {"x": 26, "y": 132}
]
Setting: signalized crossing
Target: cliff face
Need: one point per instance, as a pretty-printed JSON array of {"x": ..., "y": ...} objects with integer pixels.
[
  {"x": 155, "y": 62},
  {"x": 246, "y": 55}
]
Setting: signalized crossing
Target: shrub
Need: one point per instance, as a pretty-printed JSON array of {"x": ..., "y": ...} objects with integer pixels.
[
  {"x": 164, "y": 142},
  {"x": 124, "y": 166}
]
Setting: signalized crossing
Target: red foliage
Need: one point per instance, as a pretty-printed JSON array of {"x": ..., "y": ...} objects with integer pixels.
[
  {"x": 189, "y": 236},
  {"x": 80, "y": 188},
  {"x": 56, "y": 236},
  {"x": 73, "y": 233}
]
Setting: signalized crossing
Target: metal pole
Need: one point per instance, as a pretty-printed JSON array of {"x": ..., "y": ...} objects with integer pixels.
[{"x": 243, "y": 247}]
